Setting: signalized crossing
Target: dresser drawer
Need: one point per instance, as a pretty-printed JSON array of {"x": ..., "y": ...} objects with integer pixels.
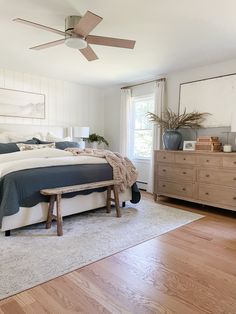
[
  {"x": 229, "y": 162},
  {"x": 210, "y": 161},
  {"x": 165, "y": 156},
  {"x": 217, "y": 195},
  {"x": 181, "y": 189},
  {"x": 183, "y": 158},
  {"x": 176, "y": 173},
  {"x": 217, "y": 177}
]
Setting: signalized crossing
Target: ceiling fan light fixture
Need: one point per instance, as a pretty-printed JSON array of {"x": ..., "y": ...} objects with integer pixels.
[{"x": 76, "y": 43}]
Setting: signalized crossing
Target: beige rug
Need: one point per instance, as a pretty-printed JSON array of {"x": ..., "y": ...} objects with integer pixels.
[{"x": 34, "y": 255}]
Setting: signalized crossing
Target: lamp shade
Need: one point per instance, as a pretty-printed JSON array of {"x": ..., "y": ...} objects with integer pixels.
[
  {"x": 81, "y": 131},
  {"x": 233, "y": 122}
]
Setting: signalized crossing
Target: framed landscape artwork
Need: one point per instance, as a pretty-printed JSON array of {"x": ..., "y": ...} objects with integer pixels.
[{"x": 16, "y": 103}]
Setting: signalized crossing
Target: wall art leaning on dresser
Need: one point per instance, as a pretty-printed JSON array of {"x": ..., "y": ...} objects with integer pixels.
[{"x": 16, "y": 103}]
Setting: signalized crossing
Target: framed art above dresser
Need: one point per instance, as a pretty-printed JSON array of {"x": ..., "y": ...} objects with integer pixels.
[{"x": 202, "y": 177}]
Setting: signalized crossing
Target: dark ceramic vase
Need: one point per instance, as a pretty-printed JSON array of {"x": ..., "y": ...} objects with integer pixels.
[{"x": 172, "y": 139}]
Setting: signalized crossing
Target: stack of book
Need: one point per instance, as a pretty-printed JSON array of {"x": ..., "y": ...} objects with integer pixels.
[{"x": 208, "y": 143}]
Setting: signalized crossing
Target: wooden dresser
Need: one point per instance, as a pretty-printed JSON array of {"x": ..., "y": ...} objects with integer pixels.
[{"x": 202, "y": 177}]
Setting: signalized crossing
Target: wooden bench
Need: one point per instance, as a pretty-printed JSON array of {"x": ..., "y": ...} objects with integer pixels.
[{"x": 56, "y": 193}]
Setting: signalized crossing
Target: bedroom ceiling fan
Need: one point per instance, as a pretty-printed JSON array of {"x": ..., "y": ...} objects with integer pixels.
[{"x": 76, "y": 35}]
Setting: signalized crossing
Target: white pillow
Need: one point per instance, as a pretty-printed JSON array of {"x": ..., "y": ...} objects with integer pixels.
[
  {"x": 16, "y": 137},
  {"x": 4, "y": 137},
  {"x": 52, "y": 138},
  {"x": 23, "y": 147}
]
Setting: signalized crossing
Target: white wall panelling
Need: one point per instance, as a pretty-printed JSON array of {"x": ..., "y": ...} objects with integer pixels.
[{"x": 67, "y": 103}]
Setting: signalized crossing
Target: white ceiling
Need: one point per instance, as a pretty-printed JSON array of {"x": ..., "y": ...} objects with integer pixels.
[{"x": 170, "y": 35}]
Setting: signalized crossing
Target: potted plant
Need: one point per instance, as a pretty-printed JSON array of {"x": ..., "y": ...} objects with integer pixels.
[
  {"x": 96, "y": 139},
  {"x": 170, "y": 122}
]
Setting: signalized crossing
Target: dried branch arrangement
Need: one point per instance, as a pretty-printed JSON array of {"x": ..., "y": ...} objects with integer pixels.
[{"x": 170, "y": 120}]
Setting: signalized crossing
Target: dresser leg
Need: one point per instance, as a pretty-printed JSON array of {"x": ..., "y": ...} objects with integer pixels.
[{"x": 155, "y": 197}]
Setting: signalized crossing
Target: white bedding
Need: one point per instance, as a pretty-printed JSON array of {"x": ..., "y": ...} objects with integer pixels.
[{"x": 45, "y": 157}]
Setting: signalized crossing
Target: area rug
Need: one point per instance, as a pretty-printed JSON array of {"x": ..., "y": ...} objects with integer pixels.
[{"x": 34, "y": 255}]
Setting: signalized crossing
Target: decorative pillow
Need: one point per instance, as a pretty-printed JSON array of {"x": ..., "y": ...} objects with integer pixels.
[
  {"x": 66, "y": 144},
  {"x": 15, "y": 137},
  {"x": 6, "y": 148},
  {"x": 24, "y": 147},
  {"x": 59, "y": 145},
  {"x": 52, "y": 138}
]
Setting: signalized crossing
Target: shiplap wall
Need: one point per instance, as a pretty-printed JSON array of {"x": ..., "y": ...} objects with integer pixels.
[{"x": 67, "y": 104}]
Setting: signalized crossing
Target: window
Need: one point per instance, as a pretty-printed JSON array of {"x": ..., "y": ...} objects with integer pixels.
[{"x": 140, "y": 128}]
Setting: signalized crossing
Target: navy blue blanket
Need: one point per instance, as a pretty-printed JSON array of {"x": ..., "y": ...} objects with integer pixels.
[{"x": 22, "y": 188}]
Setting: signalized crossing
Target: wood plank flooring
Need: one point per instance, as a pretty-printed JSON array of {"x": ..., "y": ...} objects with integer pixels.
[{"x": 189, "y": 270}]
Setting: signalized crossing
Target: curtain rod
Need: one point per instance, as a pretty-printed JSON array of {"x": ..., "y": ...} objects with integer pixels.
[{"x": 157, "y": 80}]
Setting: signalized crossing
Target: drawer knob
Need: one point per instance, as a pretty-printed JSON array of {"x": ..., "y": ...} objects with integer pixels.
[
  {"x": 234, "y": 198},
  {"x": 183, "y": 189},
  {"x": 164, "y": 157},
  {"x": 206, "y": 193},
  {"x": 184, "y": 158},
  {"x": 207, "y": 175},
  {"x": 164, "y": 170},
  {"x": 163, "y": 185},
  {"x": 184, "y": 172},
  {"x": 235, "y": 162},
  {"x": 234, "y": 179},
  {"x": 207, "y": 160}
]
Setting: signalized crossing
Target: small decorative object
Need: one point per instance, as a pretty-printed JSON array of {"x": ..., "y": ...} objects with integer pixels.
[
  {"x": 96, "y": 139},
  {"x": 189, "y": 145},
  {"x": 208, "y": 143},
  {"x": 81, "y": 133},
  {"x": 227, "y": 148},
  {"x": 171, "y": 122}
]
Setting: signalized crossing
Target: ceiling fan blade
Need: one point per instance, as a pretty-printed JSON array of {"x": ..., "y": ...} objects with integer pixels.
[
  {"x": 46, "y": 28},
  {"x": 87, "y": 23},
  {"x": 48, "y": 45},
  {"x": 89, "y": 54},
  {"x": 109, "y": 41}
]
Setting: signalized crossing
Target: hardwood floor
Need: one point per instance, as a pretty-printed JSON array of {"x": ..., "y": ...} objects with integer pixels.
[{"x": 189, "y": 270}]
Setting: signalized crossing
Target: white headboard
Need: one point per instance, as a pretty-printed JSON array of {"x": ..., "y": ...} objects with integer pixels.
[{"x": 30, "y": 130}]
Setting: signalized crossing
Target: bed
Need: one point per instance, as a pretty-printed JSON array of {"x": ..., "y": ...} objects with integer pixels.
[{"x": 24, "y": 173}]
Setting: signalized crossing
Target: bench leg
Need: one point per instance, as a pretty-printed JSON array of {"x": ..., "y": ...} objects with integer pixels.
[
  {"x": 7, "y": 233},
  {"x": 108, "y": 199},
  {"x": 50, "y": 212},
  {"x": 116, "y": 198},
  {"x": 59, "y": 219}
]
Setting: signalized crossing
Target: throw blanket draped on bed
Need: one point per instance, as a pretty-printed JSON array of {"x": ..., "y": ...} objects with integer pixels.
[{"x": 123, "y": 169}]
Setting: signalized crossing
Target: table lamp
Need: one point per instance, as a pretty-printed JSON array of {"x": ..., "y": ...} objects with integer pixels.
[{"x": 81, "y": 132}]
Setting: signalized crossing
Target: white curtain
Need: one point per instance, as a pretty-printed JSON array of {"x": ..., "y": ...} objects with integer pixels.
[
  {"x": 125, "y": 121},
  {"x": 159, "y": 104}
]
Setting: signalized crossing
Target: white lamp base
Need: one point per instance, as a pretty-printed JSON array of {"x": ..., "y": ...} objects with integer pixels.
[{"x": 81, "y": 144}]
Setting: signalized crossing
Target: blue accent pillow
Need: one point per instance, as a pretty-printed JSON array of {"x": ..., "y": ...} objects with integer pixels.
[
  {"x": 66, "y": 144},
  {"x": 6, "y": 148}
]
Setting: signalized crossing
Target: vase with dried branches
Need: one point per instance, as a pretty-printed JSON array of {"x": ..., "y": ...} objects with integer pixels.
[{"x": 170, "y": 122}]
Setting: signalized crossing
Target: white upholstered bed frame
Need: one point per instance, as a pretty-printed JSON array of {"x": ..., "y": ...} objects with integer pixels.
[{"x": 69, "y": 206}]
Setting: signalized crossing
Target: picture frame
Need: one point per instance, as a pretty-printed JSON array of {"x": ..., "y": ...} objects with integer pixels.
[
  {"x": 189, "y": 145},
  {"x": 21, "y": 104}
]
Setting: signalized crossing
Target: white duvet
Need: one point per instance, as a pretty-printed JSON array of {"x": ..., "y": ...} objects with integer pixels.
[{"x": 45, "y": 157}]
